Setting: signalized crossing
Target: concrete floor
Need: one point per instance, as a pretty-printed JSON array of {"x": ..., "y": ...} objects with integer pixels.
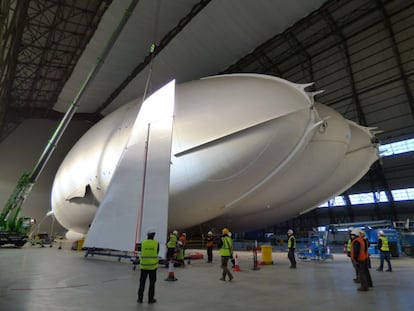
[{"x": 42, "y": 279}]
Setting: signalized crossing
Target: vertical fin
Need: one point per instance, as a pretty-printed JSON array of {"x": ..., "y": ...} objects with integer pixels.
[{"x": 137, "y": 196}]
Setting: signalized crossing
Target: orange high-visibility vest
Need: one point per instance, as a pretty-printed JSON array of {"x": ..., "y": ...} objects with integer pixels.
[{"x": 363, "y": 254}]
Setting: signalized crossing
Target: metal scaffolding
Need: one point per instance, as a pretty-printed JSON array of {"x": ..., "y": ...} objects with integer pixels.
[{"x": 41, "y": 44}]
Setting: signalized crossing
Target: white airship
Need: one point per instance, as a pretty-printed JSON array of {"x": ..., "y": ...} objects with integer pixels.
[{"x": 248, "y": 151}]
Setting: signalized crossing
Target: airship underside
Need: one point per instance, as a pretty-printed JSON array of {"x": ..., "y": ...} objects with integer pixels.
[{"x": 248, "y": 151}]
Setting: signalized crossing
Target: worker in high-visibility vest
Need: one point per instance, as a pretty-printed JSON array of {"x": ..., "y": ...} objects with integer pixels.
[
  {"x": 180, "y": 253},
  {"x": 348, "y": 245},
  {"x": 183, "y": 240},
  {"x": 359, "y": 258},
  {"x": 171, "y": 245},
  {"x": 148, "y": 264},
  {"x": 368, "y": 263},
  {"x": 348, "y": 251},
  {"x": 384, "y": 249},
  {"x": 291, "y": 249},
  {"x": 210, "y": 245},
  {"x": 226, "y": 252}
]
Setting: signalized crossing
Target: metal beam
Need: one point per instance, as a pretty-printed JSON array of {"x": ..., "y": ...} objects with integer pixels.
[
  {"x": 345, "y": 49},
  {"x": 316, "y": 15},
  {"x": 49, "y": 114},
  {"x": 10, "y": 42},
  {"x": 377, "y": 174},
  {"x": 158, "y": 48},
  {"x": 45, "y": 50},
  {"x": 348, "y": 206},
  {"x": 397, "y": 57},
  {"x": 301, "y": 50}
]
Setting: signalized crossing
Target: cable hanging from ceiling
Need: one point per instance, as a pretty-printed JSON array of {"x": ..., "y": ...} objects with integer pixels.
[{"x": 152, "y": 48}]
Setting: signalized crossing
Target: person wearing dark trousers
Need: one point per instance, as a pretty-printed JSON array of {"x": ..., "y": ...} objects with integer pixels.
[
  {"x": 180, "y": 254},
  {"x": 210, "y": 245},
  {"x": 148, "y": 264},
  {"x": 232, "y": 260},
  {"x": 226, "y": 252},
  {"x": 171, "y": 246},
  {"x": 291, "y": 249},
  {"x": 368, "y": 261},
  {"x": 348, "y": 252},
  {"x": 183, "y": 240},
  {"x": 359, "y": 258},
  {"x": 384, "y": 249}
]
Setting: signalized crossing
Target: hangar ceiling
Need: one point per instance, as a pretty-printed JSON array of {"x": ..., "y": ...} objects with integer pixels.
[
  {"x": 361, "y": 53},
  {"x": 41, "y": 44}
]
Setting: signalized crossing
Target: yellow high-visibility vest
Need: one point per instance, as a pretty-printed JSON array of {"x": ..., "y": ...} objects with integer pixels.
[
  {"x": 384, "y": 247},
  {"x": 149, "y": 255},
  {"x": 227, "y": 247},
  {"x": 172, "y": 242},
  {"x": 291, "y": 242},
  {"x": 348, "y": 246}
]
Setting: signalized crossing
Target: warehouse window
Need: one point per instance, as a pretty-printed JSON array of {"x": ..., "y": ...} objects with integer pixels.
[
  {"x": 337, "y": 201},
  {"x": 397, "y": 147},
  {"x": 372, "y": 197},
  {"x": 403, "y": 194},
  {"x": 368, "y": 197},
  {"x": 362, "y": 198}
]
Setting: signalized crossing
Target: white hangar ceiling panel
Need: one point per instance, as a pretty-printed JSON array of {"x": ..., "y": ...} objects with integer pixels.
[
  {"x": 88, "y": 59},
  {"x": 131, "y": 48},
  {"x": 223, "y": 32},
  {"x": 219, "y": 35}
]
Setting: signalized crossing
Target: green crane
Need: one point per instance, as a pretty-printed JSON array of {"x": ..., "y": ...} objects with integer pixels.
[{"x": 13, "y": 228}]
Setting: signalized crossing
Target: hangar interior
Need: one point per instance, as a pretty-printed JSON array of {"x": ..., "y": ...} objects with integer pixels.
[{"x": 360, "y": 53}]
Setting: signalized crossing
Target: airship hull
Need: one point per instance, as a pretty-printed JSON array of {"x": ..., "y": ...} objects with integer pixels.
[{"x": 243, "y": 146}]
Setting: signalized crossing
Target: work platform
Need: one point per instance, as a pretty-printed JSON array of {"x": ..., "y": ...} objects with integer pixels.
[{"x": 43, "y": 279}]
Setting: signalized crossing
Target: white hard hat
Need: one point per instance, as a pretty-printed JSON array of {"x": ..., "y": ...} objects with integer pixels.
[
  {"x": 381, "y": 232},
  {"x": 180, "y": 243},
  {"x": 355, "y": 231},
  {"x": 290, "y": 231},
  {"x": 175, "y": 232},
  {"x": 210, "y": 233}
]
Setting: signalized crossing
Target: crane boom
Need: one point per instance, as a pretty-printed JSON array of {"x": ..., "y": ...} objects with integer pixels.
[{"x": 14, "y": 229}]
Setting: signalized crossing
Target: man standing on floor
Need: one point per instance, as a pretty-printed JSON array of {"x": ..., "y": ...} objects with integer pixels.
[
  {"x": 210, "y": 245},
  {"x": 348, "y": 253},
  {"x": 291, "y": 249},
  {"x": 368, "y": 261},
  {"x": 183, "y": 240},
  {"x": 359, "y": 257},
  {"x": 171, "y": 246},
  {"x": 226, "y": 251},
  {"x": 148, "y": 265},
  {"x": 384, "y": 249}
]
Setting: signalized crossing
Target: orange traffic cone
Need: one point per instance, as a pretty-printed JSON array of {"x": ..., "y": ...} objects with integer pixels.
[
  {"x": 236, "y": 264},
  {"x": 171, "y": 276}
]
